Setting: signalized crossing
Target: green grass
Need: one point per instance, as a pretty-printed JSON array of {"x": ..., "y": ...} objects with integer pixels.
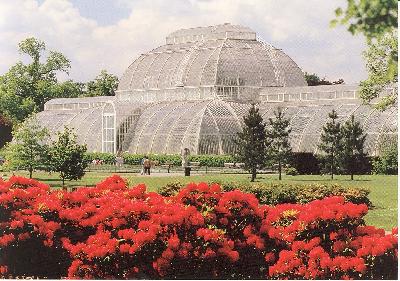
[{"x": 383, "y": 188}]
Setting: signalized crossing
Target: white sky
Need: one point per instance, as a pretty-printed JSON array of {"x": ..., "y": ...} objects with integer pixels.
[{"x": 107, "y": 34}]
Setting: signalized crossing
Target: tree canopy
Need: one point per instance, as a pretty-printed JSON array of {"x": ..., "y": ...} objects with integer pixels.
[
  {"x": 28, "y": 150},
  {"x": 381, "y": 60},
  {"x": 66, "y": 156},
  {"x": 377, "y": 21},
  {"x": 314, "y": 80},
  {"x": 372, "y": 18},
  {"x": 104, "y": 84},
  {"x": 25, "y": 88}
]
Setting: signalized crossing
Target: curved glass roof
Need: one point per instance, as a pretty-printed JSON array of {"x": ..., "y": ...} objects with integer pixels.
[
  {"x": 210, "y": 126},
  {"x": 209, "y": 56},
  {"x": 194, "y": 91},
  {"x": 85, "y": 123}
]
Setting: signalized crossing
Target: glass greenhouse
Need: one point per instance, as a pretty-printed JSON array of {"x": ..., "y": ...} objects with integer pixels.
[{"x": 194, "y": 91}]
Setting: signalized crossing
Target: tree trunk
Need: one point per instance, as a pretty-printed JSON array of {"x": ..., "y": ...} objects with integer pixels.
[
  {"x": 332, "y": 163},
  {"x": 30, "y": 172},
  {"x": 280, "y": 169},
  {"x": 351, "y": 167},
  {"x": 253, "y": 174}
]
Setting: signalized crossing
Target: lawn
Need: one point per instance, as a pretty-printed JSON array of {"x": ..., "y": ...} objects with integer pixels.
[{"x": 383, "y": 188}]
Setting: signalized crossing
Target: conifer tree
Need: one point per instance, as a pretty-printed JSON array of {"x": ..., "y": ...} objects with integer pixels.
[
  {"x": 331, "y": 144},
  {"x": 279, "y": 147},
  {"x": 67, "y": 156},
  {"x": 252, "y": 142},
  {"x": 353, "y": 145}
]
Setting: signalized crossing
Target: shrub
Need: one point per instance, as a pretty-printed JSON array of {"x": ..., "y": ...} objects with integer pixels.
[
  {"x": 212, "y": 160},
  {"x": 278, "y": 193},
  {"x": 175, "y": 159},
  {"x": 305, "y": 163},
  {"x": 291, "y": 171},
  {"x": 135, "y": 159},
  {"x": 170, "y": 189},
  {"x": 387, "y": 163},
  {"x": 114, "y": 232},
  {"x": 106, "y": 158},
  {"x": 132, "y": 159}
]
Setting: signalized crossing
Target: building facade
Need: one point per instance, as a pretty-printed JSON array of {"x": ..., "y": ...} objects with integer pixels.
[{"x": 193, "y": 92}]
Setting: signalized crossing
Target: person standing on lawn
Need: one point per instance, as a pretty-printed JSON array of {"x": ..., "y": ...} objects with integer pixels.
[
  {"x": 142, "y": 164},
  {"x": 146, "y": 166}
]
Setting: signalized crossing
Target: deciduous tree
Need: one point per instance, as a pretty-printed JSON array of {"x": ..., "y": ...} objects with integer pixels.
[
  {"x": 67, "y": 156},
  {"x": 26, "y": 87},
  {"x": 315, "y": 80},
  {"x": 381, "y": 60},
  {"x": 28, "y": 149},
  {"x": 105, "y": 84},
  {"x": 387, "y": 162},
  {"x": 377, "y": 21}
]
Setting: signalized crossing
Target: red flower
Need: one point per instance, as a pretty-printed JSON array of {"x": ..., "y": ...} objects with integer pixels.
[
  {"x": 223, "y": 221},
  {"x": 6, "y": 239},
  {"x": 124, "y": 248},
  {"x": 209, "y": 254},
  {"x": 168, "y": 254},
  {"x": 333, "y": 235},
  {"x": 339, "y": 246},
  {"x": 16, "y": 224},
  {"x": 270, "y": 257},
  {"x": 3, "y": 269},
  {"x": 173, "y": 242}
]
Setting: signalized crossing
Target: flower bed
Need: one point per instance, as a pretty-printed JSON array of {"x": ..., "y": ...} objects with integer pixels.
[{"x": 115, "y": 232}]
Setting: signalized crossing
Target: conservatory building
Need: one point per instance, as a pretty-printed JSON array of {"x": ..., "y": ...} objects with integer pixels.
[{"x": 193, "y": 92}]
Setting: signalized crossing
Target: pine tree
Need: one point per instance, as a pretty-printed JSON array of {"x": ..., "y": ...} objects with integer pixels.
[
  {"x": 331, "y": 143},
  {"x": 67, "y": 156},
  {"x": 252, "y": 142},
  {"x": 279, "y": 147},
  {"x": 28, "y": 149},
  {"x": 353, "y": 145}
]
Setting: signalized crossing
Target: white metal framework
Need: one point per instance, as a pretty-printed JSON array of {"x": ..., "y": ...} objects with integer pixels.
[{"x": 194, "y": 91}]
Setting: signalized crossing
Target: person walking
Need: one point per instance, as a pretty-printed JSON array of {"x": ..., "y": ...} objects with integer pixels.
[{"x": 147, "y": 166}]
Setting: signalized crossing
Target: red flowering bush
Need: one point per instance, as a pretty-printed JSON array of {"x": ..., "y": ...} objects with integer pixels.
[{"x": 114, "y": 232}]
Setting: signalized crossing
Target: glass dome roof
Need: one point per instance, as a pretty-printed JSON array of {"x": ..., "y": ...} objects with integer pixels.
[{"x": 209, "y": 56}]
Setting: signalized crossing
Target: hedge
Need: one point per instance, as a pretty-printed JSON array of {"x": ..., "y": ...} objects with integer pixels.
[
  {"x": 175, "y": 159},
  {"x": 307, "y": 163},
  {"x": 275, "y": 193},
  {"x": 303, "y": 162},
  {"x": 106, "y": 158},
  {"x": 212, "y": 160}
]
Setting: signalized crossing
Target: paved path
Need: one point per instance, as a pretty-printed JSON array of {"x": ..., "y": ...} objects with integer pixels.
[{"x": 157, "y": 174}]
